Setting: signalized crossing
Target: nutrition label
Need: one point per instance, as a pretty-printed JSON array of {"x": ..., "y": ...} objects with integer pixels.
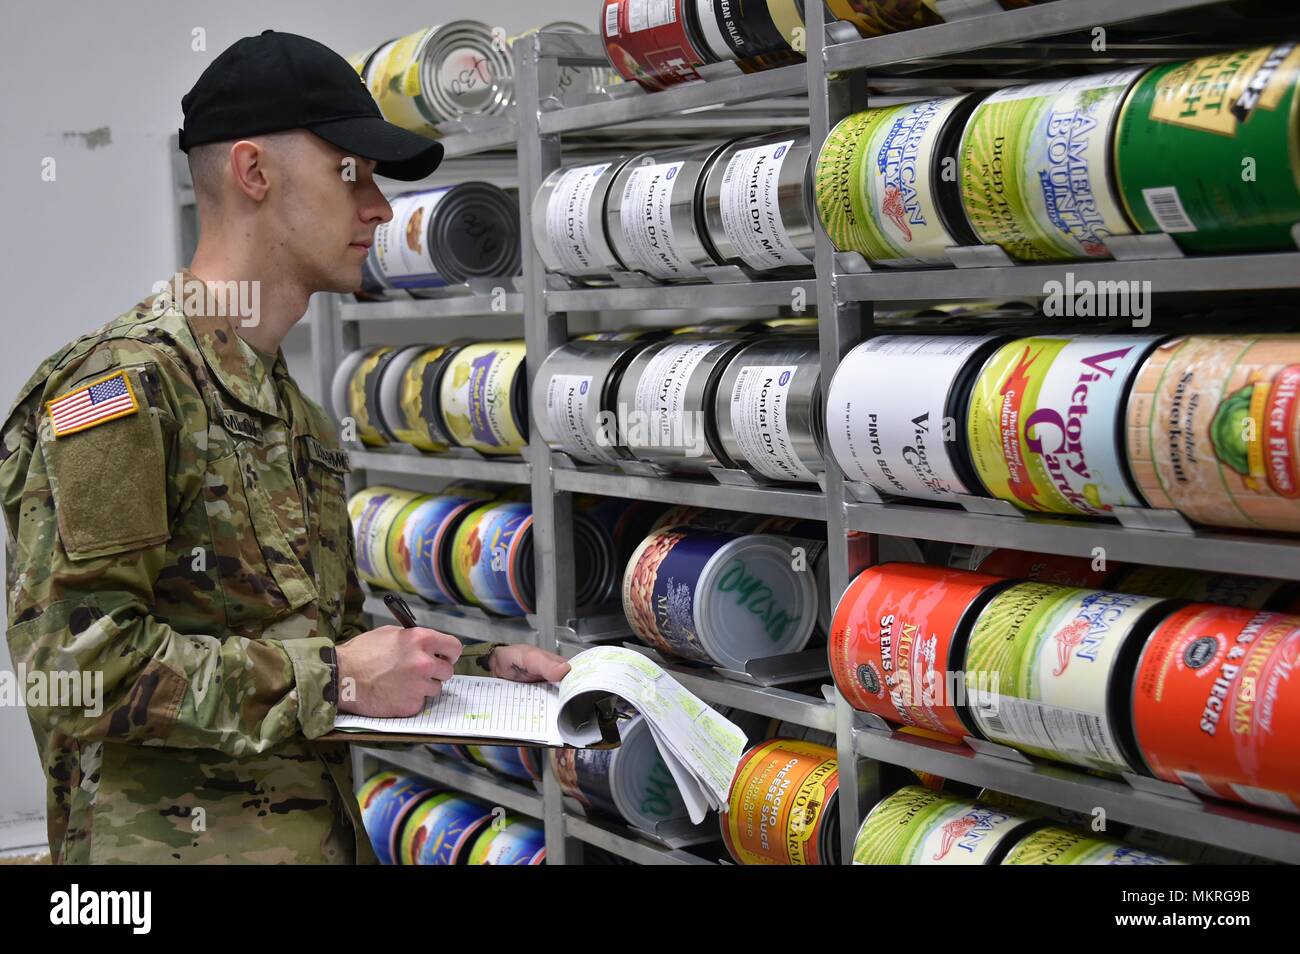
[
  {"x": 568, "y": 229},
  {"x": 647, "y": 14},
  {"x": 645, "y": 219},
  {"x": 1079, "y": 736},
  {"x": 759, "y": 421},
  {"x": 750, "y": 203}
]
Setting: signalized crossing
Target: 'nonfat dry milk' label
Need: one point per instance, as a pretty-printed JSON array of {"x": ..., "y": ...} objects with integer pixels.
[
  {"x": 750, "y": 203},
  {"x": 568, "y": 399},
  {"x": 568, "y": 228},
  {"x": 759, "y": 402},
  {"x": 646, "y": 221}
]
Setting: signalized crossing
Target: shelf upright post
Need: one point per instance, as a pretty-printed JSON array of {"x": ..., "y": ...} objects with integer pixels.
[{"x": 543, "y": 332}]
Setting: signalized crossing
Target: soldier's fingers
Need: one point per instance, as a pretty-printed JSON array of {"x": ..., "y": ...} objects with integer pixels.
[
  {"x": 441, "y": 670},
  {"x": 438, "y": 644}
]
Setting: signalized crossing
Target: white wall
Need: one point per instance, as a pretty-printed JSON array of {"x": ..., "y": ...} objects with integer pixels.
[{"x": 97, "y": 86}]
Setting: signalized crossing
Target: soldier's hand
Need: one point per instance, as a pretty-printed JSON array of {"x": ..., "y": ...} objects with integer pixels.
[
  {"x": 390, "y": 671},
  {"x": 527, "y": 664}
]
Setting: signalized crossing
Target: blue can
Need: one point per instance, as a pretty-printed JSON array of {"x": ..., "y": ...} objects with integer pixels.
[
  {"x": 427, "y": 532},
  {"x": 512, "y": 841},
  {"x": 442, "y": 829},
  {"x": 387, "y": 801},
  {"x": 516, "y": 761}
]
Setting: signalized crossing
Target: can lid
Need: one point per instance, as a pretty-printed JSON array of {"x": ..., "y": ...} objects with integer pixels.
[{"x": 641, "y": 798}]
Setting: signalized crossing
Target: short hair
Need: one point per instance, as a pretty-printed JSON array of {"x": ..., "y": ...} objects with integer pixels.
[{"x": 208, "y": 161}]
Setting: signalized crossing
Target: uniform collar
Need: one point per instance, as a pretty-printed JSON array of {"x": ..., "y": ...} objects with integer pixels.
[{"x": 232, "y": 361}]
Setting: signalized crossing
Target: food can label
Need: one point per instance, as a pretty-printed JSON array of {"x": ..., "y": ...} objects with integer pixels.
[
  {"x": 485, "y": 553},
  {"x": 659, "y": 589},
  {"x": 394, "y": 81},
  {"x": 1054, "y": 845},
  {"x": 568, "y": 228},
  {"x": 1035, "y": 170},
  {"x": 750, "y": 204},
  {"x": 778, "y": 803},
  {"x": 401, "y": 243},
  {"x": 414, "y": 428},
  {"x": 476, "y": 397},
  {"x": 661, "y": 390},
  {"x": 758, "y": 420},
  {"x": 568, "y": 397},
  {"x": 645, "y": 218},
  {"x": 918, "y": 826}
]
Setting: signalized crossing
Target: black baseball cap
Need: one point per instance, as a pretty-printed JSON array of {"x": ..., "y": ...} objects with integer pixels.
[{"x": 278, "y": 81}]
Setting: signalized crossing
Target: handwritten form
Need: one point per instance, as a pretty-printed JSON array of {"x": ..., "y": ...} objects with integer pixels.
[{"x": 476, "y": 706}]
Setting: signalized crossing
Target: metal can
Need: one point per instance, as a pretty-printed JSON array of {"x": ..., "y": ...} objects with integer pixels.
[
  {"x": 760, "y": 34},
  {"x": 627, "y": 521},
  {"x": 784, "y": 805},
  {"x": 516, "y": 761},
  {"x": 719, "y": 598},
  {"x": 898, "y": 641},
  {"x": 919, "y": 826},
  {"x": 878, "y": 17},
  {"x": 1214, "y": 430},
  {"x": 768, "y": 409},
  {"x": 880, "y": 185},
  {"x": 896, "y": 411},
  {"x": 355, "y": 393},
  {"x": 518, "y": 841},
  {"x": 483, "y": 397},
  {"x": 1053, "y": 568},
  {"x": 442, "y": 830},
  {"x": 1056, "y": 845},
  {"x": 575, "y": 396},
  {"x": 1045, "y": 422},
  {"x": 666, "y": 399},
  {"x": 446, "y": 236},
  {"x": 419, "y": 539},
  {"x": 652, "y": 212},
  {"x": 1215, "y": 704},
  {"x": 406, "y": 396},
  {"x": 388, "y": 800},
  {"x": 569, "y": 220},
  {"x": 392, "y": 73},
  {"x": 1048, "y": 669},
  {"x": 1222, "y": 589},
  {"x": 654, "y": 42},
  {"x": 360, "y": 61},
  {"x": 1037, "y": 167},
  {"x": 756, "y": 199},
  {"x": 1233, "y": 121},
  {"x": 571, "y": 80},
  {"x": 373, "y": 511}
]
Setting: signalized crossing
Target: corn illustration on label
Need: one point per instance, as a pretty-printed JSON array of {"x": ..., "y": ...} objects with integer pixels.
[{"x": 477, "y": 389}]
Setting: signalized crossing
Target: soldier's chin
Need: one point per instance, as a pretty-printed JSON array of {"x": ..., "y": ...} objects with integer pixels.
[{"x": 345, "y": 279}]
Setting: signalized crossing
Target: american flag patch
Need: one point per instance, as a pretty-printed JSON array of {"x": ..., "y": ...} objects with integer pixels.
[{"x": 94, "y": 403}]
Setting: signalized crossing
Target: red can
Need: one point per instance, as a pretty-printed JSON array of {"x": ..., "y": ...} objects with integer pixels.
[
  {"x": 898, "y": 639},
  {"x": 1216, "y": 704},
  {"x": 1046, "y": 568},
  {"x": 653, "y": 42}
]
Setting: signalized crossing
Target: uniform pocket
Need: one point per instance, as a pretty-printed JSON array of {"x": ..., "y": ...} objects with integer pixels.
[{"x": 322, "y": 470}]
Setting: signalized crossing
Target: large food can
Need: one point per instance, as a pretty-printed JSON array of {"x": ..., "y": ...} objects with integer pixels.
[
  {"x": 898, "y": 641},
  {"x": 760, "y": 34},
  {"x": 483, "y": 396},
  {"x": 655, "y": 43},
  {"x": 446, "y": 236},
  {"x": 1214, "y": 430},
  {"x": 1048, "y": 668},
  {"x": 1037, "y": 167},
  {"x": 783, "y": 807},
  {"x": 408, "y": 400},
  {"x": 569, "y": 220},
  {"x": 652, "y": 214},
  {"x": 768, "y": 409},
  {"x": 420, "y": 542},
  {"x": 1052, "y": 568},
  {"x": 510, "y": 841},
  {"x": 442, "y": 830},
  {"x": 1233, "y": 123},
  {"x": 627, "y": 521},
  {"x": 517, "y": 761},
  {"x": 919, "y": 826},
  {"x": 757, "y": 202},
  {"x": 1045, "y": 422},
  {"x": 896, "y": 413},
  {"x": 880, "y": 182},
  {"x": 575, "y": 398},
  {"x": 1216, "y": 704},
  {"x": 355, "y": 393},
  {"x": 388, "y": 800},
  {"x": 373, "y": 511},
  {"x": 666, "y": 402},
  {"x": 717, "y": 597},
  {"x": 570, "y": 80},
  {"x": 878, "y": 17},
  {"x": 1055, "y": 845}
]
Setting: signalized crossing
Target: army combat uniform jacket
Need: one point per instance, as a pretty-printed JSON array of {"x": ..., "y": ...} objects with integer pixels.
[{"x": 194, "y": 547}]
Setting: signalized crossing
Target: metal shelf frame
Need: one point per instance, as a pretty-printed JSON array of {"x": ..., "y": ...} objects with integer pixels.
[{"x": 832, "y": 84}]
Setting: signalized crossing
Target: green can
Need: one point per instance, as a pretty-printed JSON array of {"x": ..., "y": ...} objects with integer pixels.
[
  {"x": 1036, "y": 168},
  {"x": 1232, "y": 121},
  {"x": 1055, "y": 845}
]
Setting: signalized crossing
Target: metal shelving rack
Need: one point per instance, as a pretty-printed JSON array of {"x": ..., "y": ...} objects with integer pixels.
[{"x": 835, "y": 82}]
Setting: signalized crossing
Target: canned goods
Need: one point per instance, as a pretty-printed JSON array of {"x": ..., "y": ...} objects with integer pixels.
[
  {"x": 360, "y": 60},
  {"x": 896, "y": 411},
  {"x": 516, "y": 761},
  {"x": 483, "y": 396},
  {"x": 783, "y": 807},
  {"x": 1233, "y": 122},
  {"x": 355, "y": 393},
  {"x": 571, "y": 80},
  {"x": 1214, "y": 430},
  {"x": 654, "y": 42},
  {"x": 719, "y": 598},
  {"x": 569, "y": 220},
  {"x": 1037, "y": 167},
  {"x": 1044, "y": 424},
  {"x": 919, "y": 826},
  {"x": 408, "y": 401},
  {"x": 651, "y": 213},
  {"x": 1052, "y": 568},
  {"x": 1055, "y": 845},
  {"x": 1054, "y": 663},
  {"x": 420, "y": 542},
  {"x": 898, "y": 641},
  {"x": 575, "y": 394},
  {"x": 446, "y": 236},
  {"x": 442, "y": 830},
  {"x": 626, "y": 521},
  {"x": 878, "y": 17},
  {"x": 666, "y": 398},
  {"x": 880, "y": 185},
  {"x": 388, "y": 800},
  {"x": 1215, "y": 704},
  {"x": 373, "y": 511},
  {"x": 760, "y": 35},
  {"x": 518, "y": 841},
  {"x": 1032, "y": 809},
  {"x": 768, "y": 409},
  {"x": 756, "y": 199}
]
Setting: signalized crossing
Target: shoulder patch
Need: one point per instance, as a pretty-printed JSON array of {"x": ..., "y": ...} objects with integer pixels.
[{"x": 95, "y": 402}]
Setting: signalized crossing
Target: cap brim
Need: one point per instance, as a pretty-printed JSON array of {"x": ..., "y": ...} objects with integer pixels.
[{"x": 398, "y": 153}]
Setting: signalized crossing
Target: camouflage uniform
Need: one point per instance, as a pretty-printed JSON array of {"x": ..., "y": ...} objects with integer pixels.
[{"x": 198, "y": 552}]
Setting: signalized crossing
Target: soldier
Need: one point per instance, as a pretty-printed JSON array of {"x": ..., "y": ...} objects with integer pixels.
[{"x": 175, "y": 507}]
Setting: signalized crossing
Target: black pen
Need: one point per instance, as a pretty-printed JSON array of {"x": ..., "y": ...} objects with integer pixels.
[{"x": 397, "y": 606}]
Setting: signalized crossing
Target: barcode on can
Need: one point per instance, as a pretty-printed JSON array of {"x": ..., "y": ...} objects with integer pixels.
[
  {"x": 1167, "y": 209},
  {"x": 992, "y": 723},
  {"x": 611, "y": 19},
  {"x": 731, "y": 169}
]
